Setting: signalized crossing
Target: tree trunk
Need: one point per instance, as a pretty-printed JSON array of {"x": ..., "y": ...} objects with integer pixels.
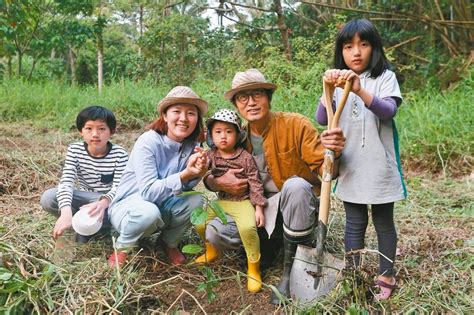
[
  {"x": 9, "y": 67},
  {"x": 19, "y": 55},
  {"x": 72, "y": 65},
  {"x": 33, "y": 65},
  {"x": 100, "y": 61},
  {"x": 140, "y": 26},
  {"x": 140, "y": 20},
  {"x": 182, "y": 60},
  {"x": 283, "y": 29}
]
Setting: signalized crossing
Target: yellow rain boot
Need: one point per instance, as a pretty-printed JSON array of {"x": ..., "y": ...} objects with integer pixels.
[
  {"x": 211, "y": 254},
  {"x": 254, "y": 279}
]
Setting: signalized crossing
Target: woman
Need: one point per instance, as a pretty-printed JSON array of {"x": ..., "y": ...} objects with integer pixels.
[{"x": 163, "y": 163}]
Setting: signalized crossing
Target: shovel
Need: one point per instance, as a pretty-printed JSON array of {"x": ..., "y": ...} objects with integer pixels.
[{"x": 314, "y": 272}]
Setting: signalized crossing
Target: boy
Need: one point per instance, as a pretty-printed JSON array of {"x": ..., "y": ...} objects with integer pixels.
[{"x": 95, "y": 163}]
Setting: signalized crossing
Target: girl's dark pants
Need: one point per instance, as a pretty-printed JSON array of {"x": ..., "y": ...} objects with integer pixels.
[{"x": 357, "y": 219}]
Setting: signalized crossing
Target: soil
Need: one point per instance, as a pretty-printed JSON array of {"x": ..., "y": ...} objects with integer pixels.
[{"x": 31, "y": 161}]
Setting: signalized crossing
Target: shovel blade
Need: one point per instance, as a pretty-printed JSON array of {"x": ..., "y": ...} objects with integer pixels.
[{"x": 304, "y": 274}]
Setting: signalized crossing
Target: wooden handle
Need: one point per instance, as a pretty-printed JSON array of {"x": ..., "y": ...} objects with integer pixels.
[
  {"x": 328, "y": 91},
  {"x": 333, "y": 120},
  {"x": 342, "y": 103}
]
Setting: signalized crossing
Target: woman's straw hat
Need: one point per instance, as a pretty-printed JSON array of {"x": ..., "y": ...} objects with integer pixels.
[{"x": 182, "y": 95}]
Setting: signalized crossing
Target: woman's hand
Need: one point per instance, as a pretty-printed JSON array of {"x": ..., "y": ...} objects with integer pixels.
[
  {"x": 259, "y": 216},
  {"x": 333, "y": 139},
  {"x": 196, "y": 166},
  {"x": 201, "y": 162}
]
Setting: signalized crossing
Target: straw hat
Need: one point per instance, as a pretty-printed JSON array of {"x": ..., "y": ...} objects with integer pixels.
[
  {"x": 182, "y": 95},
  {"x": 84, "y": 224},
  {"x": 248, "y": 80}
]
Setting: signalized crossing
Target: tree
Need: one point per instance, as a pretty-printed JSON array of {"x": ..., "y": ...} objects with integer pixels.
[
  {"x": 173, "y": 44},
  {"x": 19, "y": 24},
  {"x": 256, "y": 10}
]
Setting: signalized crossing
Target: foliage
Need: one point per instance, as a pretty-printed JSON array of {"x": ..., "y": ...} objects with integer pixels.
[
  {"x": 438, "y": 117},
  {"x": 172, "y": 45},
  {"x": 199, "y": 216},
  {"x": 442, "y": 120}
]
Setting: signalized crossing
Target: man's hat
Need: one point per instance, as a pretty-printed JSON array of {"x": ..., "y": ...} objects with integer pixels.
[{"x": 248, "y": 80}]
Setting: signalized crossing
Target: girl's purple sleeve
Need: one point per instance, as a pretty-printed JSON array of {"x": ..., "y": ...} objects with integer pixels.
[
  {"x": 384, "y": 108},
  {"x": 321, "y": 115}
]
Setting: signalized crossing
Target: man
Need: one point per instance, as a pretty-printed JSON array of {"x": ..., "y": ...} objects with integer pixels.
[{"x": 289, "y": 155}]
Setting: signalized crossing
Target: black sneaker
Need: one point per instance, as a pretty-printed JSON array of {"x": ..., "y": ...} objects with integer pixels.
[{"x": 82, "y": 239}]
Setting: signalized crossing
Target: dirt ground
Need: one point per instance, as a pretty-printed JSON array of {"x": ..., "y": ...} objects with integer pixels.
[{"x": 31, "y": 161}]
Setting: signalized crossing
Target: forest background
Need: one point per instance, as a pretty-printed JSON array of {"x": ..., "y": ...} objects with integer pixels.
[{"x": 58, "y": 56}]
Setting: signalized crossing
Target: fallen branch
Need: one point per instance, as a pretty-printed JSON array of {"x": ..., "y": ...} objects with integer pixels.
[
  {"x": 179, "y": 296},
  {"x": 403, "y": 43}
]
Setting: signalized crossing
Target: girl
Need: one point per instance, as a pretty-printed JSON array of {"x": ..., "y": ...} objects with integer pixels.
[
  {"x": 370, "y": 170},
  {"x": 162, "y": 165},
  {"x": 225, "y": 139}
]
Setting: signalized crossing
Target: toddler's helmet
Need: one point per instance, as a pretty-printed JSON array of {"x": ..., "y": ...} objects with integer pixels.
[{"x": 225, "y": 115}]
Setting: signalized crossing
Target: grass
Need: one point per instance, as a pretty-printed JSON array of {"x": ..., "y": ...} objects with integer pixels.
[
  {"x": 435, "y": 127},
  {"x": 435, "y": 223},
  {"x": 434, "y": 272}
]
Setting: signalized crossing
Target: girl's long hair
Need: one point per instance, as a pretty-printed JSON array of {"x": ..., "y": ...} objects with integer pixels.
[{"x": 367, "y": 31}]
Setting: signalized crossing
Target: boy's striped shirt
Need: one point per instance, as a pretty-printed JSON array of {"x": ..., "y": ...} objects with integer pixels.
[{"x": 92, "y": 174}]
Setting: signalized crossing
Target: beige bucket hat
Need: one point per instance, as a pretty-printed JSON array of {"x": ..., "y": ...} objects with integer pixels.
[
  {"x": 182, "y": 95},
  {"x": 248, "y": 80}
]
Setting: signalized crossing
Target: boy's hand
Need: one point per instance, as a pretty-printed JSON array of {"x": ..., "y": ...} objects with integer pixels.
[
  {"x": 259, "y": 216},
  {"x": 63, "y": 223},
  {"x": 97, "y": 208}
]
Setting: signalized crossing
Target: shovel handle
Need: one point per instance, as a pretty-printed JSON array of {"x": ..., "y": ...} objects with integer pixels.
[
  {"x": 333, "y": 120},
  {"x": 328, "y": 90}
]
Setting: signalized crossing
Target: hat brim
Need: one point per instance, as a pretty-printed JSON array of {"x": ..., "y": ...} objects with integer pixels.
[
  {"x": 249, "y": 86},
  {"x": 169, "y": 101}
]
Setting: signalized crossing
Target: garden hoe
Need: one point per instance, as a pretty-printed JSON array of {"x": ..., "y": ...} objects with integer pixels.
[{"x": 314, "y": 272}]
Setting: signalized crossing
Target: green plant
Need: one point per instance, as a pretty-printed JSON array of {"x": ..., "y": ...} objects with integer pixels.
[{"x": 200, "y": 216}]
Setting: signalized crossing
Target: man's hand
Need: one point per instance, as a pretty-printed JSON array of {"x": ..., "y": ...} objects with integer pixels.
[
  {"x": 229, "y": 183},
  {"x": 333, "y": 139},
  {"x": 63, "y": 223}
]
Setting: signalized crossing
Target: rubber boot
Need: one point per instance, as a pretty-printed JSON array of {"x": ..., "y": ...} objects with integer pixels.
[
  {"x": 82, "y": 239},
  {"x": 284, "y": 284},
  {"x": 254, "y": 279},
  {"x": 211, "y": 254}
]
